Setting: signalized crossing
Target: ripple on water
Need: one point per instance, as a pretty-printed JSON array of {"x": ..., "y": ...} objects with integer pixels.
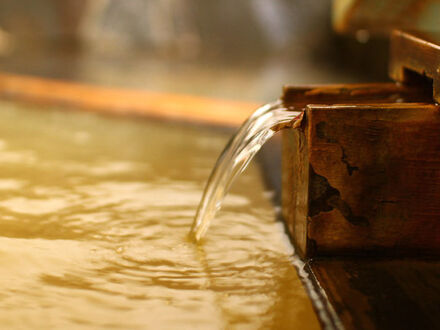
[{"x": 94, "y": 217}]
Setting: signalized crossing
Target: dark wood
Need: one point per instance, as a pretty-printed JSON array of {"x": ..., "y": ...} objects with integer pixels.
[
  {"x": 363, "y": 179},
  {"x": 416, "y": 52},
  {"x": 355, "y": 94},
  {"x": 381, "y": 293}
]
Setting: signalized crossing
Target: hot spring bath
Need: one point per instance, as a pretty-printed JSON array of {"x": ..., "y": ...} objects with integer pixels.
[{"x": 95, "y": 213}]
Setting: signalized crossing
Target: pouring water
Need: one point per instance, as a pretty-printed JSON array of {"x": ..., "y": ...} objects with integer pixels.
[{"x": 239, "y": 151}]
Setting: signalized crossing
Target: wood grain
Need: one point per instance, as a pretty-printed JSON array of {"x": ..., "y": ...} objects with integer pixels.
[
  {"x": 363, "y": 178},
  {"x": 374, "y": 182}
]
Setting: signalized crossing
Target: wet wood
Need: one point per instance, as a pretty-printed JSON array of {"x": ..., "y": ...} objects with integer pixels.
[
  {"x": 381, "y": 293},
  {"x": 355, "y": 94},
  {"x": 119, "y": 101},
  {"x": 416, "y": 52},
  {"x": 364, "y": 179}
]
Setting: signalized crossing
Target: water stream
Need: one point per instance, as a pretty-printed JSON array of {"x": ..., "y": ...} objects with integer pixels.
[{"x": 234, "y": 159}]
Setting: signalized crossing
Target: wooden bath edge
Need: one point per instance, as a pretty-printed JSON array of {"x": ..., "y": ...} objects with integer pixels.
[{"x": 122, "y": 101}]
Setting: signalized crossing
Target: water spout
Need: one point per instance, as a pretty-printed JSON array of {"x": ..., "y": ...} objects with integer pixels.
[{"x": 239, "y": 151}]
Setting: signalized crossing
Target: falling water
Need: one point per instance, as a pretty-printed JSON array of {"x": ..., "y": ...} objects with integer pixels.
[{"x": 239, "y": 151}]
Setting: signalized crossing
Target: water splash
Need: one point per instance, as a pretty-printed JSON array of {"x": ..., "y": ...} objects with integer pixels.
[{"x": 239, "y": 151}]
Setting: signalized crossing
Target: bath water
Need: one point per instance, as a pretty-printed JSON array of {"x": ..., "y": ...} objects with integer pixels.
[
  {"x": 236, "y": 156},
  {"x": 94, "y": 218}
]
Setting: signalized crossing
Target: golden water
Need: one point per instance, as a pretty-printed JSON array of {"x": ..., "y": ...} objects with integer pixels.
[{"x": 94, "y": 216}]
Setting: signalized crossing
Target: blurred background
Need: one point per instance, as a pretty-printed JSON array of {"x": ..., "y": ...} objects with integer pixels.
[
  {"x": 240, "y": 50},
  {"x": 221, "y": 50}
]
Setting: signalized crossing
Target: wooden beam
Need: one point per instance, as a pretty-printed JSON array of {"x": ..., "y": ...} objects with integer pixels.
[
  {"x": 119, "y": 101},
  {"x": 416, "y": 52},
  {"x": 364, "y": 180}
]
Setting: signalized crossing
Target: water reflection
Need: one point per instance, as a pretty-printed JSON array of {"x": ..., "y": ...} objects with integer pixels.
[{"x": 94, "y": 231}]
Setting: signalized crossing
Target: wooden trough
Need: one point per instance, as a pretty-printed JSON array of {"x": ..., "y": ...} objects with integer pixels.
[
  {"x": 361, "y": 191},
  {"x": 362, "y": 175}
]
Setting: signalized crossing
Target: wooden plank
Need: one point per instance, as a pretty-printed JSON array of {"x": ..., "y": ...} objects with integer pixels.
[
  {"x": 301, "y": 96},
  {"x": 119, "y": 101}
]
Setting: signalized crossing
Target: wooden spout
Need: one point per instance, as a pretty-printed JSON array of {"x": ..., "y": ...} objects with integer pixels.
[{"x": 362, "y": 175}]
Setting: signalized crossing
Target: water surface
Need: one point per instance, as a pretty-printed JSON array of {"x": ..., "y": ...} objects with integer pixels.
[{"x": 94, "y": 217}]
